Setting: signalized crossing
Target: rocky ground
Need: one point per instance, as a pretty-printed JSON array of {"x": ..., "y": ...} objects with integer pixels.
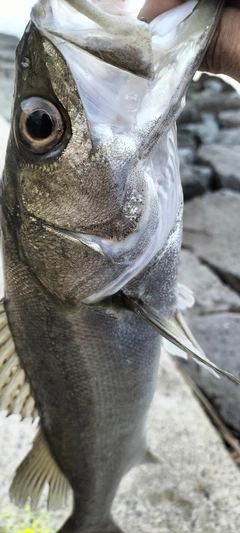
[
  {"x": 209, "y": 148},
  {"x": 196, "y": 487}
]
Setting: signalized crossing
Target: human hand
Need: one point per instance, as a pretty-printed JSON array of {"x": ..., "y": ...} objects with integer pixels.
[{"x": 223, "y": 54}]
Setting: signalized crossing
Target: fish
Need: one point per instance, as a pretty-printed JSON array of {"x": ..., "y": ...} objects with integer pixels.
[{"x": 91, "y": 218}]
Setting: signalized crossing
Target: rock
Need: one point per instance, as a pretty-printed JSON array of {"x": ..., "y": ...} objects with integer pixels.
[
  {"x": 215, "y": 83},
  {"x": 8, "y": 45},
  {"x": 210, "y": 82},
  {"x": 195, "y": 86},
  {"x": 186, "y": 155},
  {"x": 225, "y": 161},
  {"x": 186, "y": 139},
  {"x": 6, "y": 98},
  {"x": 228, "y": 136},
  {"x": 212, "y": 232},
  {"x": 206, "y": 132},
  {"x": 215, "y": 102},
  {"x": 190, "y": 113},
  {"x": 229, "y": 119},
  {"x": 4, "y": 132},
  {"x": 211, "y": 294},
  {"x": 219, "y": 336},
  {"x": 196, "y": 179}
]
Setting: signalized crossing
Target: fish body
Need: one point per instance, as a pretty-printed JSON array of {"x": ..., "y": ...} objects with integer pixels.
[{"x": 91, "y": 208}]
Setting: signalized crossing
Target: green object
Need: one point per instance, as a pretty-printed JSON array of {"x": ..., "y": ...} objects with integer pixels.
[{"x": 13, "y": 520}]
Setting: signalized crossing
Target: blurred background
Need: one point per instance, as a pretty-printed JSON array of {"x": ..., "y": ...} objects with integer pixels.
[{"x": 14, "y": 16}]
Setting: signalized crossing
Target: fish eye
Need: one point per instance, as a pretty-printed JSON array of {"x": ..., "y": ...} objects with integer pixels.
[{"x": 41, "y": 124}]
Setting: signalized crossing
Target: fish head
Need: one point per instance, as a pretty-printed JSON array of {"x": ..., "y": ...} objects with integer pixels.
[{"x": 91, "y": 183}]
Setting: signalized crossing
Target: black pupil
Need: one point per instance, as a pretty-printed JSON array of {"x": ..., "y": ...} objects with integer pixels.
[{"x": 39, "y": 124}]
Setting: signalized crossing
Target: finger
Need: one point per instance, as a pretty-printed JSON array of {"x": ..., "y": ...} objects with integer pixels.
[
  {"x": 153, "y": 8},
  {"x": 223, "y": 54}
]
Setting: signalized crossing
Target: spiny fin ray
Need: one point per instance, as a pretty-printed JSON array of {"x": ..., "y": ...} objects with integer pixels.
[
  {"x": 15, "y": 392},
  {"x": 174, "y": 331}
]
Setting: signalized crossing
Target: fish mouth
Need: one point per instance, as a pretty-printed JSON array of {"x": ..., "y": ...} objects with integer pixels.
[
  {"x": 105, "y": 28},
  {"x": 131, "y": 76}
]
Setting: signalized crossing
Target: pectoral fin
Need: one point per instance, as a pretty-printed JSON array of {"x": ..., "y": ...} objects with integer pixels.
[
  {"x": 38, "y": 469},
  {"x": 175, "y": 331},
  {"x": 15, "y": 392}
]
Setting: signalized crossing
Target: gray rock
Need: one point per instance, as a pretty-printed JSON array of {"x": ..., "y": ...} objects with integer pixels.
[
  {"x": 225, "y": 161},
  {"x": 196, "y": 179},
  {"x": 212, "y": 232},
  {"x": 209, "y": 130},
  {"x": 229, "y": 119},
  {"x": 186, "y": 139},
  {"x": 196, "y": 86},
  {"x": 219, "y": 336},
  {"x": 214, "y": 102},
  {"x": 190, "y": 113},
  {"x": 210, "y": 82},
  {"x": 6, "y": 97},
  {"x": 215, "y": 83},
  {"x": 211, "y": 295},
  {"x": 8, "y": 45},
  {"x": 228, "y": 136},
  {"x": 186, "y": 155},
  {"x": 206, "y": 131}
]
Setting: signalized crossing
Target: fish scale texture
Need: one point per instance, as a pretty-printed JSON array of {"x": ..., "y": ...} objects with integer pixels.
[{"x": 104, "y": 364}]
